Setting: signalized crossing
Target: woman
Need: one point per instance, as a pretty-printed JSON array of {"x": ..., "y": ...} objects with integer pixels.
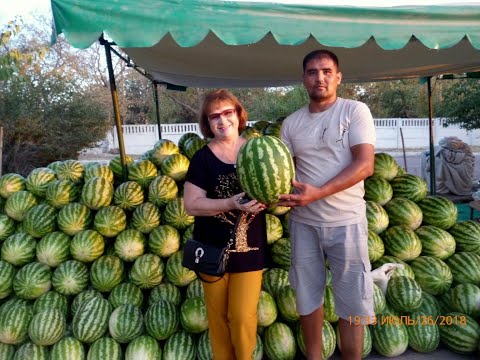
[{"x": 213, "y": 195}]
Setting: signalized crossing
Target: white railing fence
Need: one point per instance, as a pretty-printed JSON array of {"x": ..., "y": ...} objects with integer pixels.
[{"x": 141, "y": 138}]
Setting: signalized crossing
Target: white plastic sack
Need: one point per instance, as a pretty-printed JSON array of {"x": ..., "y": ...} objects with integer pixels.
[{"x": 382, "y": 275}]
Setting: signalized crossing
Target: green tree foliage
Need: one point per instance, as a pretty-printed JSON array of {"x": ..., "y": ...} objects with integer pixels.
[{"x": 461, "y": 103}]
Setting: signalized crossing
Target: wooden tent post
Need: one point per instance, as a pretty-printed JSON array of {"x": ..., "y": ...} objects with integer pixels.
[
  {"x": 432, "y": 148},
  {"x": 116, "y": 109}
]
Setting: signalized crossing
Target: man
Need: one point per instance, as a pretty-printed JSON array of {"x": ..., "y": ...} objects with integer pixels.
[{"x": 332, "y": 142}]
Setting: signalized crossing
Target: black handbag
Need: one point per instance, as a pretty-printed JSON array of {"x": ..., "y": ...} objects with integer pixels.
[{"x": 207, "y": 259}]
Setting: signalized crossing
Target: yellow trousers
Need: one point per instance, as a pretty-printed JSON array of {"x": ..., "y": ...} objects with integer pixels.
[{"x": 232, "y": 304}]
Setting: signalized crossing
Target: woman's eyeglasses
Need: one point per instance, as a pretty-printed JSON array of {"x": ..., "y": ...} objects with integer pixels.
[{"x": 228, "y": 113}]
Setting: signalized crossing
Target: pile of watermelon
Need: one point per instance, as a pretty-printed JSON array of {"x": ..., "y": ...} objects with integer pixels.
[{"x": 90, "y": 265}]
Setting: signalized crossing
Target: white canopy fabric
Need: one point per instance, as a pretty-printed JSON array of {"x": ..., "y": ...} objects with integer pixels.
[{"x": 212, "y": 43}]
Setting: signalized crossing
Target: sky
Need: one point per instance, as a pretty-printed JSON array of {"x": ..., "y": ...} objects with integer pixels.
[{"x": 27, "y": 8}]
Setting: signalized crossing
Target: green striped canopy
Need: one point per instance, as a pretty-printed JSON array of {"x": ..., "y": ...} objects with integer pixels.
[{"x": 213, "y": 43}]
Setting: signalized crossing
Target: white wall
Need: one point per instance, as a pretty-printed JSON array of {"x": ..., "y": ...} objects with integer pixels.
[{"x": 141, "y": 138}]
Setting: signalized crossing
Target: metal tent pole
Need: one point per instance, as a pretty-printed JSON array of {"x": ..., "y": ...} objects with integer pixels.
[
  {"x": 157, "y": 111},
  {"x": 116, "y": 110},
  {"x": 432, "y": 148}
]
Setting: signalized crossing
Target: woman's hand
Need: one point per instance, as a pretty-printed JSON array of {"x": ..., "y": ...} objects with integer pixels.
[{"x": 243, "y": 204}]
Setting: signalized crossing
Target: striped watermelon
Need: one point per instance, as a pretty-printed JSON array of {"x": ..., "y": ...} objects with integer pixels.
[
  {"x": 436, "y": 242},
  {"x": 126, "y": 293},
  {"x": 184, "y": 138},
  {"x": 47, "y": 327},
  {"x": 70, "y": 278},
  {"x": 404, "y": 294},
  {"x": 166, "y": 292},
  {"x": 430, "y": 305},
  {"x": 176, "y": 216},
  {"x": 181, "y": 344},
  {"x": 106, "y": 273},
  {"x": 329, "y": 311},
  {"x": 462, "y": 335},
  {"x": 405, "y": 270},
  {"x": 164, "y": 241},
  {"x": 280, "y": 251},
  {"x": 176, "y": 273},
  {"x": 274, "y": 228},
  {"x": 87, "y": 246},
  {"x": 145, "y": 218},
  {"x": 389, "y": 339},
  {"x": 162, "y": 149},
  {"x": 385, "y": 166},
  {"x": 204, "y": 348},
  {"x": 68, "y": 348},
  {"x": 378, "y": 190},
  {"x": 432, "y": 274},
  {"x": 267, "y": 310},
  {"x": 161, "y": 190},
  {"x": 274, "y": 279},
  {"x": 14, "y": 321},
  {"x": 7, "y": 227},
  {"x": 423, "y": 336},
  {"x": 60, "y": 193},
  {"x": 31, "y": 351},
  {"x": 195, "y": 288},
  {"x": 279, "y": 342},
  {"x": 377, "y": 217},
  {"x": 40, "y": 220},
  {"x": 408, "y": 186},
  {"x": 404, "y": 212},
  {"x": 105, "y": 348},
  {"x": 465, "y": 298},
  {"x": 97, "y": 193},
  {"x": 125, "y": 323},
  {"x": 250, "y": 132},
  {"x": 38, "y": 180},
  {"x": 278, "y": 210},
  {"x": 98, "y": 170},
  {"x": 143, "y": 347},
  {"x": 273, "y": 129},
  {"x": 11, "y": 183},
  {"x": 19, "y": 203},
  {"x": 70, "y": 170},
  {"x": 130, "y": 244},
  {"x": 32, "y": 280},
  {"x": 19, "y": 249},
  {"x": 465, "y": 267},
  {"x": 379, "y": 301},
  {"x": 53, "y": 249},
  {"x": 91, "y": 320},
  {"x": 175, "y": 166},
  {"x": 438, "y": 211},
  {"x": 265, "y": 169},
  {"x": 161, "y": 320},
  {"x": 467, "y": 236},
  {"x": 259, "y": 125},
  {"x": 376, "y": 248},
  {"x": 7, "y": 273},
  {"x": 110, "y": 221},
  {"x": 192, "y": 146},
  {"x": 51, "y": 300},
  {"x": 402, "y": 242},
  {"x": 147, "y": 271},
  {"x": 193, "y": 315},
  {"x": 286, "y": 302},
  {"x": 116, "y": 165},
  {"x": 80, "y": 298},
  {"x": 73, "y": 218},
  {"x": 128, "y": 195},
  {"x": 142, "y": 172}
]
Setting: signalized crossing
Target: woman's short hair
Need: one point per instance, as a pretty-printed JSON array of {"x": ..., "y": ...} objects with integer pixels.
[{"x": 218, "y": 96}]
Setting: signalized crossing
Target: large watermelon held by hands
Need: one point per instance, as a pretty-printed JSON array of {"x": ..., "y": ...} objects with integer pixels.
[{"x": 265, "y": 169}]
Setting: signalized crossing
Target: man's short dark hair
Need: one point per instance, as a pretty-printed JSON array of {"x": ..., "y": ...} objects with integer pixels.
[{"x": 319, "y": 54}]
